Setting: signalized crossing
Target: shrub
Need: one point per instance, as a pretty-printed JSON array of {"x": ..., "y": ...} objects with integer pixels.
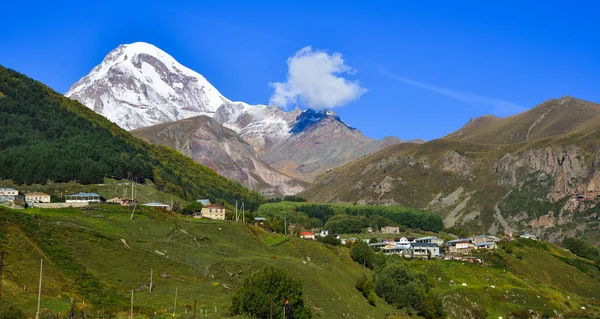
[{"x": 253, "y": 298}]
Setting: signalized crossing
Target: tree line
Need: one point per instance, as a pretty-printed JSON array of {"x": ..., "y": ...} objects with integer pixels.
[{"x": 346, "y": 219}]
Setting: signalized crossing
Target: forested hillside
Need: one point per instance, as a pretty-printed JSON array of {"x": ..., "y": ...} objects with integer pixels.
[{"x": 45, "y": 136}]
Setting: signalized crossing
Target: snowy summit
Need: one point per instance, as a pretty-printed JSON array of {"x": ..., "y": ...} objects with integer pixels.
[{"x": 139, "y": 85}]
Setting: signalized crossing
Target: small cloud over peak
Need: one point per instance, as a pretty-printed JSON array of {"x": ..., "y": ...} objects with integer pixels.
[{"x": 315, "y": 79}]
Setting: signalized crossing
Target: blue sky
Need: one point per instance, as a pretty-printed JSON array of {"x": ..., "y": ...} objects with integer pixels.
[{"x": 427, "y": 66}]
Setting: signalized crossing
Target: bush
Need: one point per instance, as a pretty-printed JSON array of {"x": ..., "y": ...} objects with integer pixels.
[
  {"x": 253, "y": 298},
  {"x": 581, "y": 248},
  {"x": 192, "y": 208},
  {"x": 12, "y": 312},
  {"x": 363, "y": 254},
  {"x": 367, "y": 287},
  {"x": 329, "y": 240}
]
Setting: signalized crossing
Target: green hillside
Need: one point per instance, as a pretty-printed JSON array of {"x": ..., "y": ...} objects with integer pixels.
[
  {"x": 98, "y": 255},
  {"x": 45, "y": 136},
  {"x": 86, "y": 258}
]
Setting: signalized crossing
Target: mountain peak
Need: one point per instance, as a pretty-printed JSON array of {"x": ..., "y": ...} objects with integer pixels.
[
  {"x": 311, "y": 117},
  {"x": 139, "y": 85}
]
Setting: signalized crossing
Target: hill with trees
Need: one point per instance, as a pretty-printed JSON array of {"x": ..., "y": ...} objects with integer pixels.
[{"x": 46, "y": 137}]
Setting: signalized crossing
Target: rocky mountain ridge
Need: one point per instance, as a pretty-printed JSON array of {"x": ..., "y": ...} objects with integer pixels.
[
  {"x": 540, "y": 174},
  {"x": 208, "y": 142}
]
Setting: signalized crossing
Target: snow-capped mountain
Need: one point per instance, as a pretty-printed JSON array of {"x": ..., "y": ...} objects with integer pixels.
[{"x": 139, "y": 85}]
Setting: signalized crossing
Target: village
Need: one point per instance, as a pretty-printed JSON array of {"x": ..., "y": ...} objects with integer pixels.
[
  {"x": 427, "y": 247},
  {"x": 11, "y": 196}
]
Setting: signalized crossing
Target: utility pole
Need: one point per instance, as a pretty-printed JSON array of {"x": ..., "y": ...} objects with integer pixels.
[
  {"x": 285, "y": 225},
  {"x": 133, "y": 212},
  {"x": 243, "y": 214},
  {"x": 1, "y": 268},
  {"x": 150, "y": 280},
  {"x": 236, "y": 211},
  {"x": 194, "y": 317},
  {"x": 271, "y": 316},
  {"x": 131, "y": 313},
  {"x": 175, "y": 306},
  {"x": 37, "y": 313}
]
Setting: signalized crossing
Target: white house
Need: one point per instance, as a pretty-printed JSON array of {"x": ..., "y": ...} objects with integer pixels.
[
  {"x": 156, "y": 205},
  {"x": 307, "y": 235},
  {"x": 429, "y": 240},
  {"x": 213, "y": 212},
  {"x": 403, "y": 242},
  {"x": 425, "y": 250},
  {"x": 83, "y": 198},
  {"x": 390, "y": 230},
  {"x": 460, "y": 246},
  {"x": 9, "y": 195},
  {"x": 37, "y": 197},
  {"x": 486, "y": 245},
  {"x": 529, "y": 236},
  {"x": 323, "y": 233}
]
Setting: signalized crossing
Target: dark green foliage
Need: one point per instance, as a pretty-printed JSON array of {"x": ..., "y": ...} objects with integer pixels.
[
  {"x": 194, "y": 207},
  {"x": 396, "y": 283},
  {"x": 292, "y": 198},
  {"x": 322, "y": 212},
  {"x": 402, "y": 216},
  {"x": 329, "y": 240},
  {"x": 346, "y": 224},
  {"x": 582, "y": 248},
  {"x": 354, "y": 218},
  {"x": 363, "y": 254},
  {"x": 253, "y": 298},
  {"x": 11, "y": 312},
  {"x": 399, "y": 285},
  {"x": 367, "y": 287},
  {"x": 288, "y": 198},
  {"x": 531, "y": 197},
  {"x": 47, "y": 137}
]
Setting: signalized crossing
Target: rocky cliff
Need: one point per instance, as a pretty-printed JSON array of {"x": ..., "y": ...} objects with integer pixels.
[
  {"x": 548, "y": 185},
  {"x": 211, "y": 144}
]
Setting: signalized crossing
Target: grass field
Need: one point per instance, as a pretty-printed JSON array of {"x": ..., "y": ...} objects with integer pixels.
[
  {"x": 100, "y": 251},
  {"x": 97, "y": 256}
]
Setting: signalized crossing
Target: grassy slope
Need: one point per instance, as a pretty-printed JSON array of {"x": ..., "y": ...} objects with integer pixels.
[
  {"x": 526, "y": 275},
  {"x": 198, "y": 268},
  {"x": 554, "y": 117},
  {"x": 537, "y": 276}
]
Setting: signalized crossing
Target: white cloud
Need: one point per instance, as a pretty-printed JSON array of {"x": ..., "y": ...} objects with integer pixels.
[
  {"x": 314, "y": 79},
  {"x": 501, "y": 106}
]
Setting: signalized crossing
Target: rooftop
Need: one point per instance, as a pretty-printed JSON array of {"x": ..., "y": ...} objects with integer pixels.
[
  {"x": 427, "y": 237},
  {"x": 36, "y": 194},
  {"x": 485, "y": 244},
  {"x": 214, "y": 206},
  {"x": 85, "y": 195},
  {"x": 155, "y": 204},
  {"x": 424, "y": 245}
]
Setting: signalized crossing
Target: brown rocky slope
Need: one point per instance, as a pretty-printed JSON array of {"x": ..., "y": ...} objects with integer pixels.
[{"x": 538, "y": 171}]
